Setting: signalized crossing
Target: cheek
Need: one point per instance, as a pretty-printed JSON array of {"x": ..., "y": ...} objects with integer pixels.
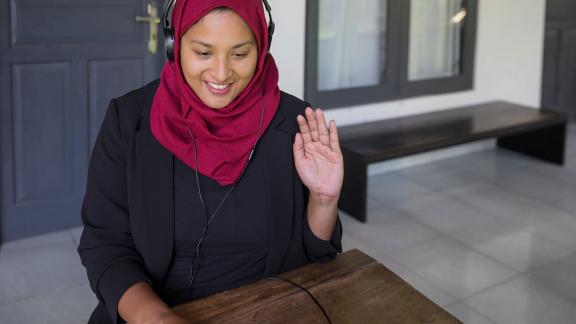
[
  {"x": 191, "y": 72},
  {"x": 246, "y": 69}
]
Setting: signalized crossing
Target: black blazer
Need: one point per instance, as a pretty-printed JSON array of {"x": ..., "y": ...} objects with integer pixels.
[{"x": 128, "y": 209}]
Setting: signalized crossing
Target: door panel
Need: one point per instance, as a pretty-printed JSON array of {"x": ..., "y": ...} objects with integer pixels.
[
  {"x": 567, "y": 73},
  {"x": 37, "y": 22},
  {"x": 45, "y": 153},
  {"x": 109, "y": 79},
  {"x": 61, "y": 61},
  {"x": 550, "y": 71},
  {"x": 559, "y": 68}
]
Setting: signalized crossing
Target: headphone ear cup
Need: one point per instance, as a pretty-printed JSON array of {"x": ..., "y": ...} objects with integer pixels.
[
  {"x": 169, "y": 43},
  {"x": 168, "y": 29}
]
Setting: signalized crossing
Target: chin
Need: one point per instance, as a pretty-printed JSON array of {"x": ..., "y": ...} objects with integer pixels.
[{"x": 216, "y": 103}]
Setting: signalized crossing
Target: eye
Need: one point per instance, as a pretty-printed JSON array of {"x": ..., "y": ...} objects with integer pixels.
[
  {"x": 202, "y": 54},
  {"x": 240, "y": 55}
]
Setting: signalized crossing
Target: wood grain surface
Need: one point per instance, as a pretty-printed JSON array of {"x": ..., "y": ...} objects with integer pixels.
[{"x": 353, "y": 288}]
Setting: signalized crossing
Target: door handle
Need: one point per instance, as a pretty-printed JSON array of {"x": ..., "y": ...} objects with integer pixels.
[{"x": 153, "y": 20}]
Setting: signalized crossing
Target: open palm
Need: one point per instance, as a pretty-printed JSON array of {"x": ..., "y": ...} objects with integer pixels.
[{"x": 317, "y": 155}]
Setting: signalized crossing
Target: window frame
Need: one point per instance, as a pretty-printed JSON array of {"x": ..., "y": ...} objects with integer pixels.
[{"x": 394, "y": 83}]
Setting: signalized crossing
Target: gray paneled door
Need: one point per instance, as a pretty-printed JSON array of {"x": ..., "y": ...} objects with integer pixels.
[
  {"x": 559, "y": 75},
  {"x": 61, "y": 61}
]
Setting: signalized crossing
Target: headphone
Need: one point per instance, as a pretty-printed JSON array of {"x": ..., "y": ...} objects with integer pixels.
[{"x": 169, "y": 29}]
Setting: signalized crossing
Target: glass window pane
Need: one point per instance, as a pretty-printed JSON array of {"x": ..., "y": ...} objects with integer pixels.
[
  {"x": 435, "y": 38},
  {"x": 351, "y": 43}
]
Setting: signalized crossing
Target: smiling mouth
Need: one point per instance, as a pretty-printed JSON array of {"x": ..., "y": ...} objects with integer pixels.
[{"x": 217, "y": 86}]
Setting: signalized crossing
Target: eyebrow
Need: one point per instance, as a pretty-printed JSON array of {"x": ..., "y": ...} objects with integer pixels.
[{"x": 210, "y": 46}]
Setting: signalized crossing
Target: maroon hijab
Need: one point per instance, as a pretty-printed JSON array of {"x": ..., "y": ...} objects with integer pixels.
[{"x": 224, "y": 137}]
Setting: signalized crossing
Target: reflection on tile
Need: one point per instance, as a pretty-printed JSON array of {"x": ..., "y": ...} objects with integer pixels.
[
  {"x": 522, "y": 301},
  {"x": 68, "y": 306},
  {"x": 513, "y": 244},
  {"x": 554, "y": 224},
  {"x": 559, "y": 277},
  {"x": 443, "y": 212},
  {"x": 453, "y": 267},
  {"x": 466, "y": 314}
]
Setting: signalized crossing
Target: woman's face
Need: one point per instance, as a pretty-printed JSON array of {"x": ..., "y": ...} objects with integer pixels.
[{"x": 218, "y": 56}]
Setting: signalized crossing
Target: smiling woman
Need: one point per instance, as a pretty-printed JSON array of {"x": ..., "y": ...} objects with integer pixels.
[
  {"x": 219, "y": 56},
  {"x": 211, "y": 177}
]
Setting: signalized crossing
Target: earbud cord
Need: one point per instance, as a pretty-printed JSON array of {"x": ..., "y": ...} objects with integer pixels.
[
  {"x": 307, "y": 292},
  {"x": 196, "y": 263}
]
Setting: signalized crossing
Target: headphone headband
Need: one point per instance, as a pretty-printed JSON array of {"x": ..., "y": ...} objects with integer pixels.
[{"x": 169, "y": 29}]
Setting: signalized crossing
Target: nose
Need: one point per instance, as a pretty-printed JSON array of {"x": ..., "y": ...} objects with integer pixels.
[{"x": 221, "y": 69}]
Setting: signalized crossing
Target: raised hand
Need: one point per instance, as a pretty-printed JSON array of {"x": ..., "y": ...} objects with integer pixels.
[{"x": 317, "y": 155}]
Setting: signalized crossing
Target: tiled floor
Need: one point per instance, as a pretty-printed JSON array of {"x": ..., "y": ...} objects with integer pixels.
[{"x": 490, "y": 236}]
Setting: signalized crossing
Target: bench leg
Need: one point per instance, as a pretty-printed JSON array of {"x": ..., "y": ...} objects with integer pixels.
[
  {"x": 545, "y": 144},
  {"x": 354, "y": 189}
]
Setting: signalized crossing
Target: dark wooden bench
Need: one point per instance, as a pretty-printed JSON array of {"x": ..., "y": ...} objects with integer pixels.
[{"x": 537, "y": 133}]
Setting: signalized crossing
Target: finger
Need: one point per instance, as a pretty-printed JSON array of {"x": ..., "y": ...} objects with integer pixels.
[
  {"x": 322, "y": 128},
  {"x": 304, "y": 129},
  {"x": 334, "y": 141},
  {"x": 298, "y": 147},
  {"x": 312, "y": 124}
]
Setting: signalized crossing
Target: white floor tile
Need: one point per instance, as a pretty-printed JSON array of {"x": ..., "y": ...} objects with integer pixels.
[
  {"x": 453, "y": 267},
  {"x": 515, "y": 245},
  {"x": 443, "y": 212},
  {"x": 69, "y": 306},
  {"x": 554, "y": 224},
  {"x": 76, "y": 234},
  {"x": 466, "y": 314},
  {"x": 393, "y": 233},
  {"x": 432, "y": 292},
  {"x": 33, "y": 267},
  {"x": 392, "y": 187},
  {"x": 434, "y": 175},
  {"x": 522, "y": 301},
  {"x": 559, "y": 277},
  {"x": 538, "y": 188},
  {"x": 350, "y": 242},
  {"x": 492, "y": 199}
]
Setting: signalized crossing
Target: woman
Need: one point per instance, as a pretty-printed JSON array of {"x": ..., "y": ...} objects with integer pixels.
[{"x": 210, "y": 178}]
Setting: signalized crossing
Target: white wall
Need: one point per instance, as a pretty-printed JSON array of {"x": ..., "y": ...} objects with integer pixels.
[{"x": 508, "y": 60}]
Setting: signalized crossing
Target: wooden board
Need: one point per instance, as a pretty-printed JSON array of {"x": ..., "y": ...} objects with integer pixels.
[{"x": 354, "y": 288}]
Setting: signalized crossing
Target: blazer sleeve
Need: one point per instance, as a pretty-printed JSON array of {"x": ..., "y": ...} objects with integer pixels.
[
  {"x": 317, "y": 249},
  {"x": 106, "y": 247}
]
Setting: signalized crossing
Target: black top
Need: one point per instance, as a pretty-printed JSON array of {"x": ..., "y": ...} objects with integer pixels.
[
  {"x": 233, "y": 251},
  {"x": 128, "y": 210}
]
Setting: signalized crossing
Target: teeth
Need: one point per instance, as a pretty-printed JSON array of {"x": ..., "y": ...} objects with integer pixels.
[{"x": 218, "y": 86}]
